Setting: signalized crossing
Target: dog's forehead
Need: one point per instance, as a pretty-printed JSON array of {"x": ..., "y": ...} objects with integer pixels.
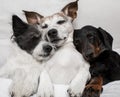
[
  {"x": 54, "y": 17},
  {"x": 34, "y": 30}
]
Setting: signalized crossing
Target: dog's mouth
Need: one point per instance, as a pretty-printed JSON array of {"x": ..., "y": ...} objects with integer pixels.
[
  {"x": 44, "y": 55},
  {"x": 94, "y": 56},
  {"x": 56, "y": 40}
]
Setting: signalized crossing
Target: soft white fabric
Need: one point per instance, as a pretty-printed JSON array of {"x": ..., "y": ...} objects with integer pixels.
[
  {"x": 104, "y": 13},
  {"x": 110, "y": 90}
]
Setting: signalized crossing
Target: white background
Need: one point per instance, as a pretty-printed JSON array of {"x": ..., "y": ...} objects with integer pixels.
[{"x": 104, "y": 13}]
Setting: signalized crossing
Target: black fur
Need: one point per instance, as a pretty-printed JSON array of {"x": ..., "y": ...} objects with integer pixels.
[
  {"x": 95, "y": 44},
  {"x": 26, "y": 36},
  {"x": 104, "y": 62}
]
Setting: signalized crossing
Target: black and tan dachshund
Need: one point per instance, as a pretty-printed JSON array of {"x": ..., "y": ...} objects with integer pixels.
[{"x": 95, "y": 44}]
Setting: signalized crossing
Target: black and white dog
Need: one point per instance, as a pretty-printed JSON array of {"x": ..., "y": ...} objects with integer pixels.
[
  {"x": 66, "y": 66},
  {"x": 28, "y": 44}
]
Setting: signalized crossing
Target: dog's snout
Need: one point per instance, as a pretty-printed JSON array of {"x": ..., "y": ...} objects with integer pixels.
[
  {"x": 47, "y": 48},
  {"x": 89, "y": 55},
  {"x": 52, "y": 33}
]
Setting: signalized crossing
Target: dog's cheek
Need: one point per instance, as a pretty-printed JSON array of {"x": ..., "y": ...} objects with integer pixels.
[{"x": 69, "y": 28}]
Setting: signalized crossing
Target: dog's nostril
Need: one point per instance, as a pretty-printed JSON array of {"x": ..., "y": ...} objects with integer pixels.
[
  {"x": 52, "y": 32},
  {"x": 47, "y": 48}
]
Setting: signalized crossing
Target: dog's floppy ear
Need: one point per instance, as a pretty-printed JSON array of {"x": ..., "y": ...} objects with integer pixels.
[
  {"x": 32, "y": 17},
  {"x": 106, "y": 38},
  {"x": 18, "y": 26},
  {"x": 71, "y": 9}
]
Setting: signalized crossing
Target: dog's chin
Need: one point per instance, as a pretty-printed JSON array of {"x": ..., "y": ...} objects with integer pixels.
[
  {"x": 58, "y": 42},
  {"x": 95, "y": 55},
  {"x": 43, "y": 57}
]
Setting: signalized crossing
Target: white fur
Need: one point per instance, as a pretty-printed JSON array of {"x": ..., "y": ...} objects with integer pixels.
[
  {"x": 45, "y": 88},
  {"x": 39, "y": 53},
  {"x": 66, "y": 66},
  {"x": 63, "y": 30},
  {"x": 24, "y": 70}
]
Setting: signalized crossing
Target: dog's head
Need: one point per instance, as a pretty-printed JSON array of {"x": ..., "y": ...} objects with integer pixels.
[
  {"x": 57, "y": 27},
  {"x": 91, "y": 41},
  {"x": 29, "y": 38}
]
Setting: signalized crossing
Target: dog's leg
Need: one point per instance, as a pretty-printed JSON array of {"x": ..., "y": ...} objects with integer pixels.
[
  {"x": 78, "y": 83},
  {"x": 45, "y": 88},
  {"x": 25, "y": 83},
  {"x": 93, "y": 88}
]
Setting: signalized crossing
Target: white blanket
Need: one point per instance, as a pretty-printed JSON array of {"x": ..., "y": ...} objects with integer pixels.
[{"x": 110, "y": 90}]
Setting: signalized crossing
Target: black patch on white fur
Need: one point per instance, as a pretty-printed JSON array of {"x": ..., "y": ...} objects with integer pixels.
[{"x": 26, "y": 36}]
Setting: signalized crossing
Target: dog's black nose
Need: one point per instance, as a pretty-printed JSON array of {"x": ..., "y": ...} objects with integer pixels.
[
  {"x": 47, "y": 48},
  {"x": 52, "y": 33},
  {"x": 89, "y": 55}
]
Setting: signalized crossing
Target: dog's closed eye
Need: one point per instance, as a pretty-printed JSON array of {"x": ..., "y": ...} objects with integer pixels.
[
  {"x": 44, "y": 26},
  {"x": 77, "y": 41},
  {"x": 61, "y": 22},
  {"x": 90, "y": 36}
]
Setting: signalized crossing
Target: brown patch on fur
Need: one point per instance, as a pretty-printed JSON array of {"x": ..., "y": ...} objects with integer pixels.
[
  {"x": 50, "y": 17},
  {"x": 96, "y": 49},
  {"x": 32, "y": 17},
  {"x": 97, "y": 80},
  {"x": 94, "y": 87},
  {"x": 71, "y": 9},
  {"x": 61, "y": 14}
]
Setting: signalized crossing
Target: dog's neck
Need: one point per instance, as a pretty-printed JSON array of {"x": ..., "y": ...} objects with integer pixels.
[
  {"x": 17, "y": 51},
  {"x": 69, "y": 41},
  {"x": 70, "y": 38}
]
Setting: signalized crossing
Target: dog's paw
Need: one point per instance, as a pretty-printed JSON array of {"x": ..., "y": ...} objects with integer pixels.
[
  {"x": 92, "y": 91},
  {"x": 76, "y": 88},
  {"x": 73, "y": 93},
  {"x": 23, "y": 89},
  {"x": 45, "y": 90}
]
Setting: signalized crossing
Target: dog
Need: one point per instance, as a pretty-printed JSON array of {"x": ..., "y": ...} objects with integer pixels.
[
  {"x": 95, "y": 44},
  {"x": 66, "y": 66},
  {"x": 25, "y": 63}
]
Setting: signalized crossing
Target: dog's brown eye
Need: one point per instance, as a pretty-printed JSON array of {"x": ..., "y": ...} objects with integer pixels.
[
  {"x": 61, "y": 22},
  {"x": 45, "y": 26},
  {"x": 76, "y": 42}
]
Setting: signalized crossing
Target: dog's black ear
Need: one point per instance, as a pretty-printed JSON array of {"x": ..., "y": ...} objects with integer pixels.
[
  {"x": 71, "y": 9},
  {"x": 18, "y": 26},
  {"x": 32, "y": 17},
  {"x": 106, "y": 38}
]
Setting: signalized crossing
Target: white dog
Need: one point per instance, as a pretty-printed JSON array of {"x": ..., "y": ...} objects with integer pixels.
[
  {"x": 21, "y": 67},
  {"x": 66, "y": 66}
]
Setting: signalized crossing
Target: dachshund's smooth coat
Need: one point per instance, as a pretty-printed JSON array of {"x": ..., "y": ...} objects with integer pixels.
[{"x": 95, "y": 44}]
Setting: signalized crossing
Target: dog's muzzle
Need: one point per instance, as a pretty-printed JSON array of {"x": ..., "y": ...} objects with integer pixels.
[
  {"x": 53, "y": 36},
  {"x": 47, "y": 49},
  {"x": 52, "y": 33}
]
